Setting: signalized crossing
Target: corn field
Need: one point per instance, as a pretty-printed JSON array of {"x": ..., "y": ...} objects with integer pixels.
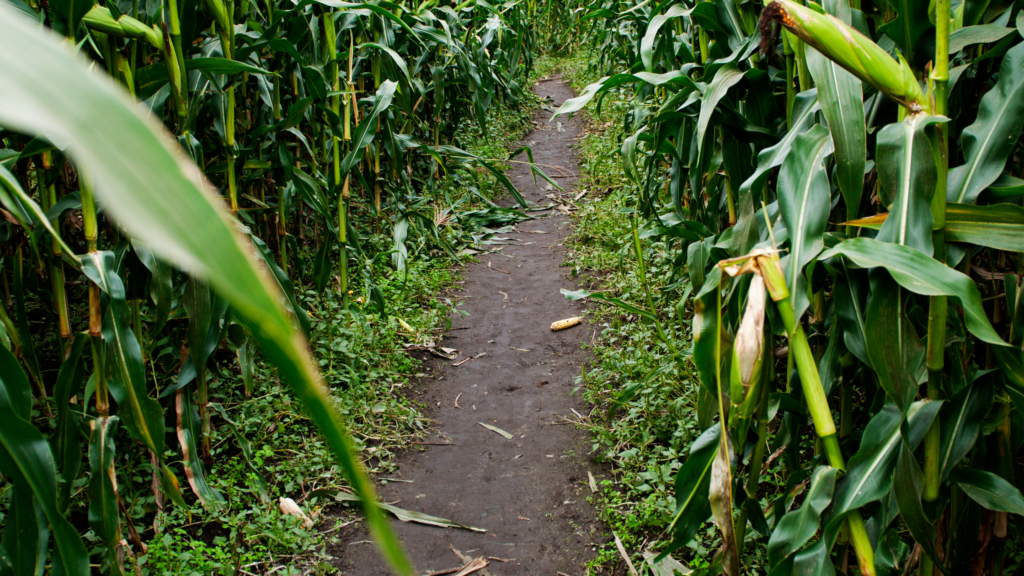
[
  {"x": 839, "y": 188},
  {"x": 160, "y": 165}
]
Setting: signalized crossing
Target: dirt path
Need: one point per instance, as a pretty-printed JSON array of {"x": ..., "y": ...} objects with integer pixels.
[{"x": 529, "y": 492}]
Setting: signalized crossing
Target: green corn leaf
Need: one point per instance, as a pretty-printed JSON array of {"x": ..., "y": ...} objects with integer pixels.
[
  {"x": 988, "y": 142},
  {"x": 364, "y": 133},
  {"x": 188, "y": 427},
  {"x": 999, "y": 226},
  {"x": 907, "y": 174},
  {"x": 26, "y": 459},
  {"x": 908, "y": 27},
  {"x": 797, "y": 527},
  {"x": 805, "y": 107},
  {"x": 680, "y": 77},
  {"x": 982, "y": 34},
  {"x": 48, "y": 90},
  {"x": 647, "y": 42},
  {"x": 25, "y": 535},
  {"x": 706, "y": 332},
  {"x": 398, "y": 60},
  {"x": 726, "y": 77},
  {"x": 69, "y": 13},
  {"x": 498, "y": 174},
  {"x": 804, "y": 200},
  {"x": 990, "y": 490},
  {"x": 922, "y": 275},
  {"x": 729, "y": 18},
  {"x": 896, "y": 351},
  {"x": 141, "y": 414},
  {"x": 66, "y": 440},
  {"x": 103, "y": 515},
  {"x": 870, "y": 473},
  {"x": 199, "y": 308},
  {"x": 841, "y": 97},
  {"x": 850, "y": 298},
  {"x": 625, "y": 306},
  {"x": 161, "y": 287},
  {"x": 322, "y": 265},
  {"x": 691, "y": 488},
  {"x": 907, "y": 488},
  {"x": 962, "y": 417},
  {"x": 20, "y": 205}
]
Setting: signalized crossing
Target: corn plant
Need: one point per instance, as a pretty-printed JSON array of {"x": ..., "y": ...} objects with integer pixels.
[
  {"x": 176, "y": 181},
  {"x": 843, "y": 193}
]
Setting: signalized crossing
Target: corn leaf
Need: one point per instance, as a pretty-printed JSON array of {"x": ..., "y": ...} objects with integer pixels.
[
  {"x": 907, "y": 489},
  {"x": 103, "y": 516},
  {"x": 691, "y": 488},
  {"x": 999, "y": 226},
  {"x": 841, "y": 96},
  {"x": 961, "y": 422},
  {"x": 922, "y": 275},
  {"x": 141, "y": 414},
  {"x": 894, "y": 347},
  {"x": 48, "y": 90},
  {"x": 990, "y": 490},
  {"x": 804, "y": 199},
  {"x": 26, "y": 459},
  {"x": 797, "y": 527},
  {"x": 907, "y": 174},
  {"x": 988, "y": 142}
]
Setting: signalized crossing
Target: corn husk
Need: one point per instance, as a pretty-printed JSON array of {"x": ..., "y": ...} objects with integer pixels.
[
  {"x": 847, "y": 47},
  {"x": 100, "y": 19},
  {"x": 289, "y": 507},
  {"x": 567, "y": 323}
]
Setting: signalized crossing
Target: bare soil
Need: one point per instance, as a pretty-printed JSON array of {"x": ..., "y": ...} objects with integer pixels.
[{"x": 529, "y": 492}]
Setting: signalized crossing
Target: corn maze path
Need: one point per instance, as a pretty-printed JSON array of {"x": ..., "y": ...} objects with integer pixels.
[{"x": 528, "y": 492}]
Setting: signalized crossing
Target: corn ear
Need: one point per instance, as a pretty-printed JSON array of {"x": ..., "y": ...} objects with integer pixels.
[
  {"x": 567, "y": 323},
  {"x": 847, "y": 47},
  {"x": 101, "y": 20},
  {"x": 747, "y": 351},
  {"x": 289, "y": 507}
]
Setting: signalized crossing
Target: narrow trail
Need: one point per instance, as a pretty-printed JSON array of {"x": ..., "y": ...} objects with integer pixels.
[{"x": 528, "y": 492}]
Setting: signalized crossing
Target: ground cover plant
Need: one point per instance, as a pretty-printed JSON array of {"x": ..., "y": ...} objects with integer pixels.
[
  {"x": 203, "y": 317},
  {"x": 833, "y": 190}
]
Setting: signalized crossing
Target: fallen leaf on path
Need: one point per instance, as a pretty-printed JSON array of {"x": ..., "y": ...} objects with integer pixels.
[
  {"x": 593, "y": 483},
  {"x": 503, "y": 294},
  {"x": 625, "y": 556},
  {"x": 461, "y": 362},
  {"x": 667, "y": 567},
  {"x": 498, "y": 269},
  {"x": 446, "y": 353},
  {"x": 400, "y": 513},
  {"x": 567, "y": 323},
  {"x": 443, "y": 572},
  {"x": 477, "y": 564},
  {"x": 457, "y": 401},
  {"x": 498, "y": 430},
  {"x": 467, "y": 560},
  {"x": 520, "y": 349},
  {"x": 523, "y": 519},
  {"x": 541, "y": 383}
]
